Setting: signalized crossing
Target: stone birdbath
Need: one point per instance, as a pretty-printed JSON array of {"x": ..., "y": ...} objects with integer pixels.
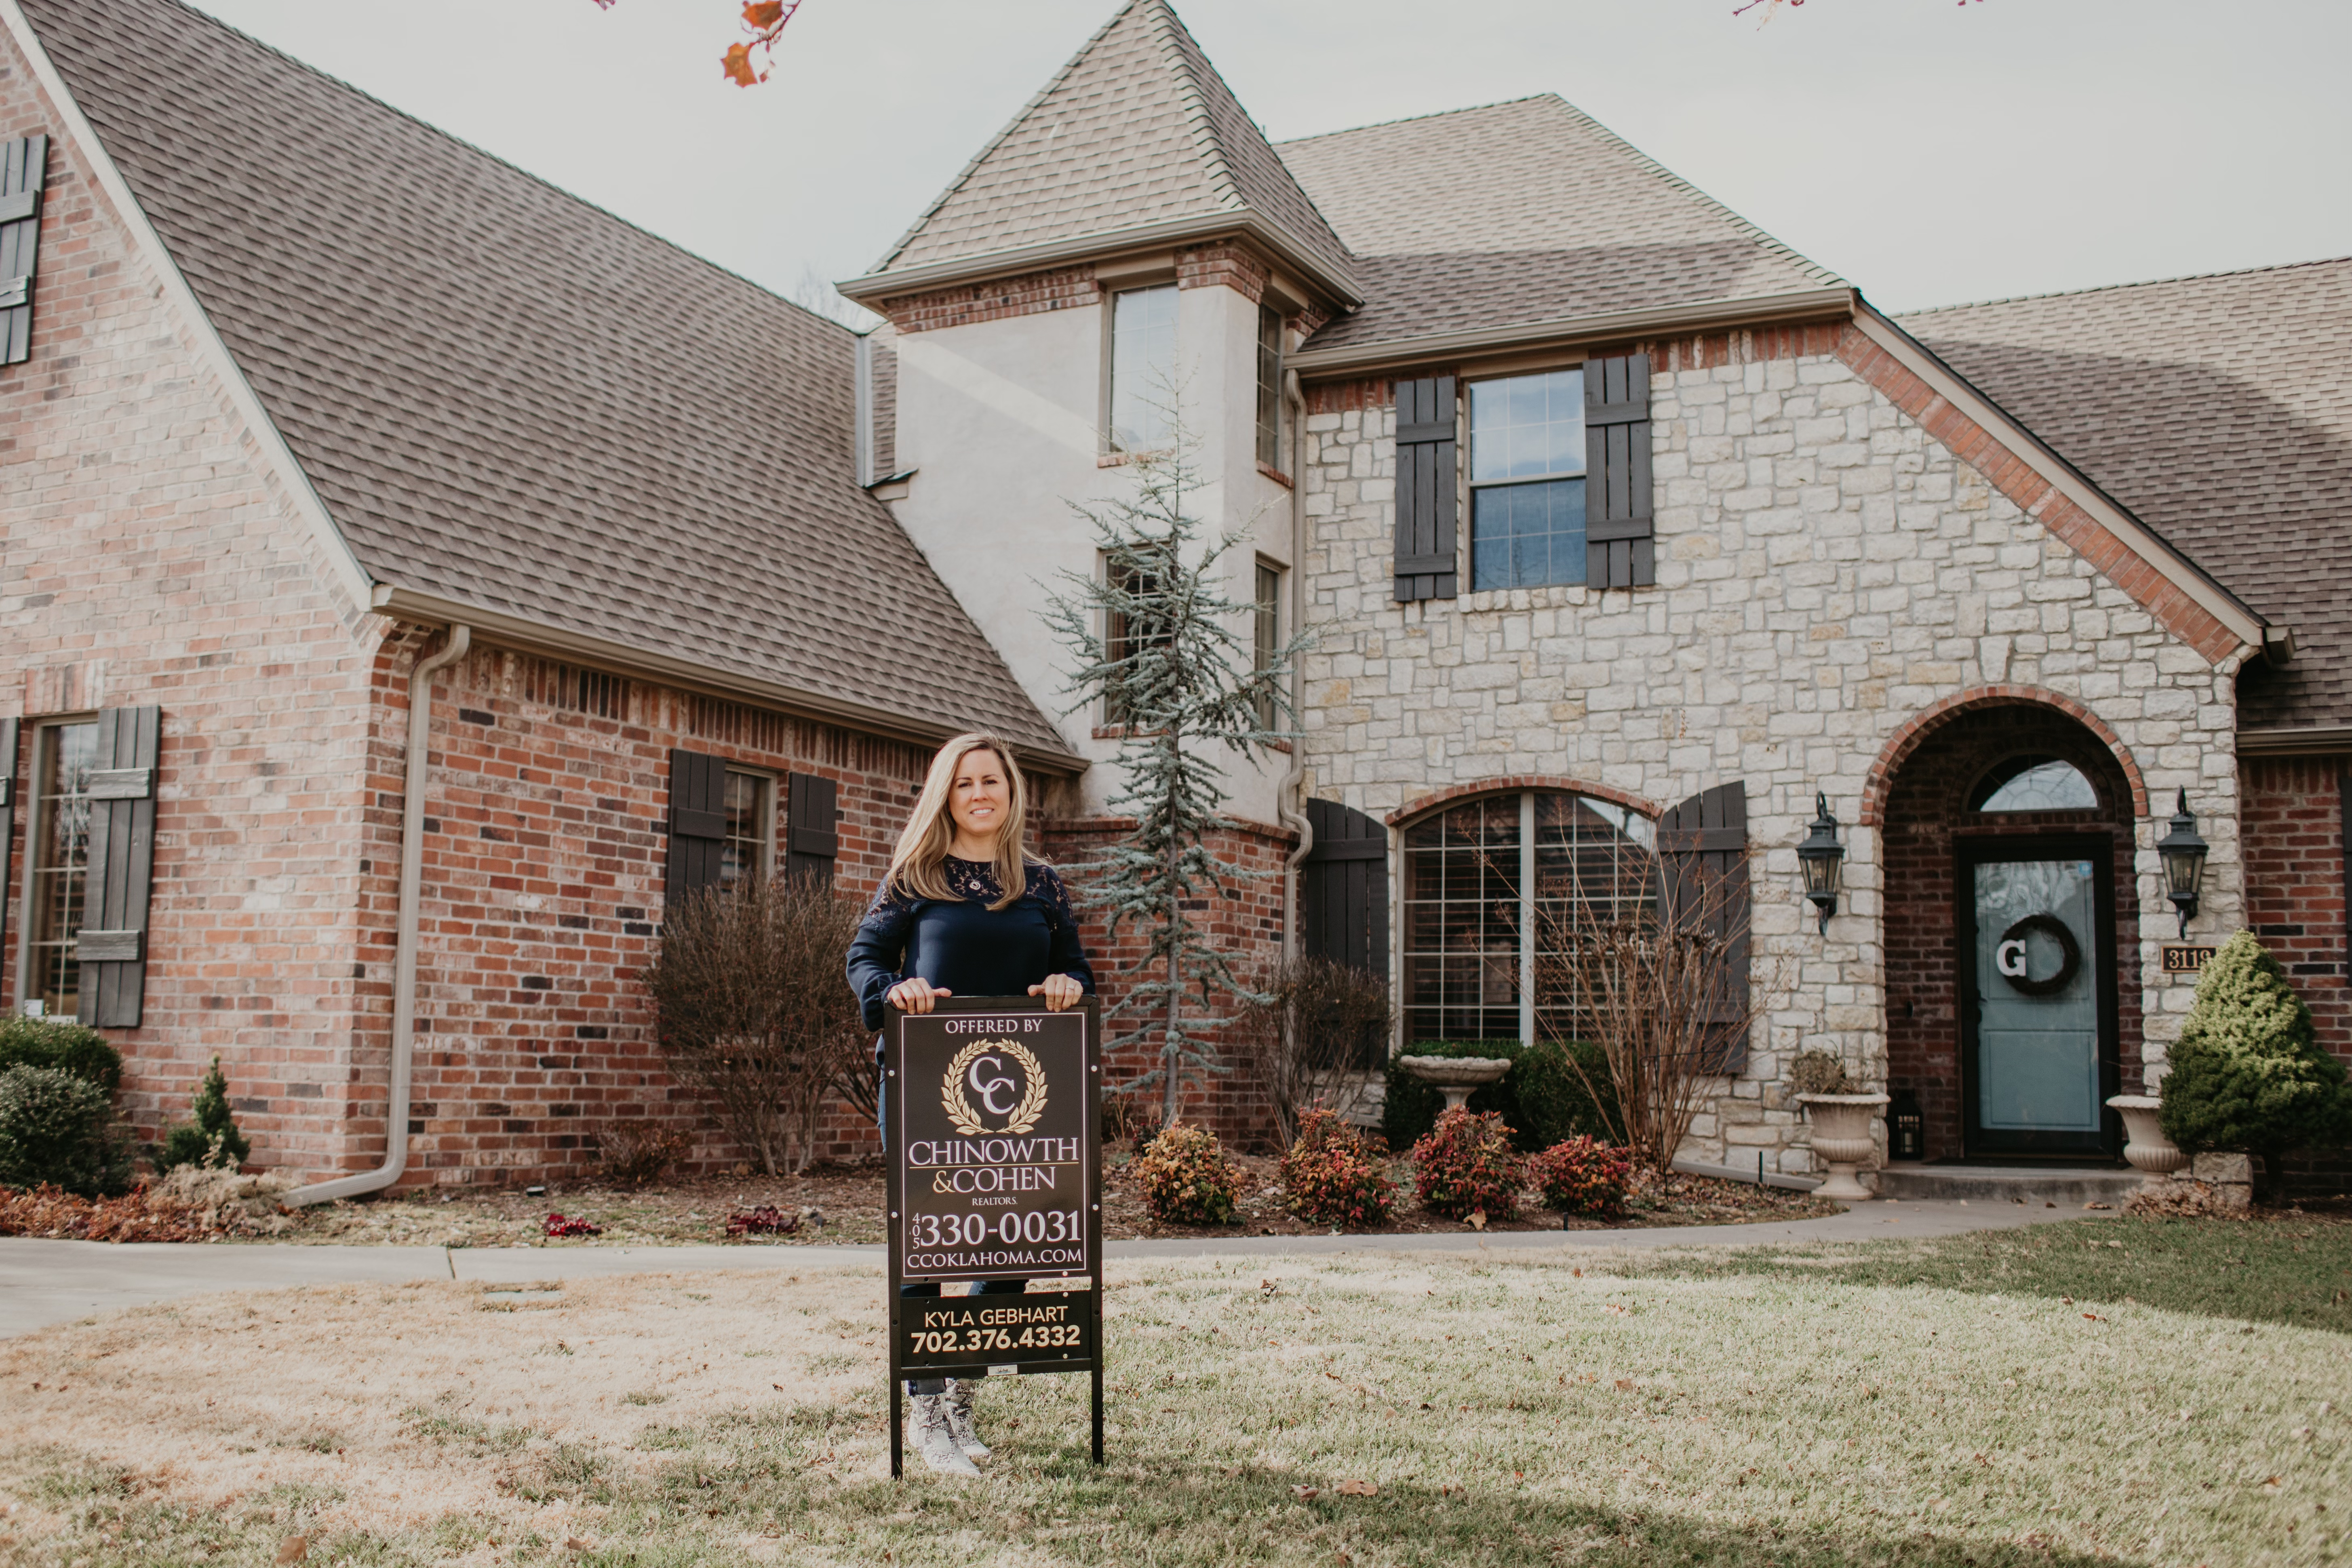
[
  {"x": 1457, "y": 1078},
  {"x": 1842, "y": 1138},
  {"x": 2149, "y": 1151}
]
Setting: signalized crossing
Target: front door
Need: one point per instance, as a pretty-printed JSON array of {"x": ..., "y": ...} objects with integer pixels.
[{"x": 2037, "y": 988}]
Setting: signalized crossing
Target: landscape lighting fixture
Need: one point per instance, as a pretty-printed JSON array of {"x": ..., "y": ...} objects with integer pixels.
[
  {"x": 1822, "y": 855},
  {"x": 2183, "y": 853}
]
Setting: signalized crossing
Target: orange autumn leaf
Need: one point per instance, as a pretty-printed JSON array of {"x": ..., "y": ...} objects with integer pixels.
[
  {"x": 762, "y": 15},
  {"x": 737, "y": 64}
]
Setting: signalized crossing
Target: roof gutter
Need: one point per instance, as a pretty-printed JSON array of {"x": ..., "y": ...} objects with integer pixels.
[
  {"x": 1284, "y": 246},
  {"x": 403, "y": 964},
  {"x": 623, "y": 658},
  {"x": 1703, "y": 316},
  {"x": 2242, "y": 620},
  {"x": 2316, "y": 740}
]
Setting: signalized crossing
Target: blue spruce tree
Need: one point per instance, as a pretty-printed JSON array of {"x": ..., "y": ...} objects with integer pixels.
[{"x": 1166, "y": 654}]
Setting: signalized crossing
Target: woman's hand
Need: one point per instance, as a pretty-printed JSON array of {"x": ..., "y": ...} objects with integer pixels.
[
  {"x": 916, "y": 995},
  {"x": 1059, "y": 990}
]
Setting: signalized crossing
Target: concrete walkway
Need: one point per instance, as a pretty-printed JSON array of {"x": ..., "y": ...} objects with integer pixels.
[{"x": 46, "y": 1282}]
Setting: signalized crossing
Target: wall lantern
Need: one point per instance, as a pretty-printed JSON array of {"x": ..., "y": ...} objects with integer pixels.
[
  {"x": 1821, "y": 856},
  {"x": 2183, "y": 853},
  {"x": 1907, "y": 1128}
]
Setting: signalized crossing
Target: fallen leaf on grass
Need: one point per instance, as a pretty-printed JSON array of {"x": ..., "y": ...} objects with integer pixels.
[
  {"x": 1626, "y": 1385},
  {"x": 1307, "y": 1494},
  {"x": 1477, "y": 1219},
  {"x": 294, "y": 1549},
  {"x": 1357, "y": 1488},
  {"x": 573, "y": 1543},
  {"x": 2094, "y": 1317}
]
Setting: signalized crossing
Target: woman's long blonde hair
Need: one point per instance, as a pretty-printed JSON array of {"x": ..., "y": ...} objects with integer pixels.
[{"x": 918, "y": 865}]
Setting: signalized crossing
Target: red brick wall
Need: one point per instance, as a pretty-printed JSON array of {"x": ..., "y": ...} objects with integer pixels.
[
  {"x": 2293, "y": 838},
  {"x": 1927, "y": 816},
  {"x": 153, "y": 559},
  {"x": 1245, "y": 921}
]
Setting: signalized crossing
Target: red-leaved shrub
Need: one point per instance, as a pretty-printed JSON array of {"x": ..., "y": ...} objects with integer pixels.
[
  {"x": 1582, "y": 1175},
  {"x": 1466, "y": 1165},
  {"x": 1185, "y": 1176},
  {"x": 1329, "y": 1175}
]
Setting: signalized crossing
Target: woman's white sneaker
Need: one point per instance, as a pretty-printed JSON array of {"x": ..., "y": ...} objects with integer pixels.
[{"x": 927, "y": 1425}]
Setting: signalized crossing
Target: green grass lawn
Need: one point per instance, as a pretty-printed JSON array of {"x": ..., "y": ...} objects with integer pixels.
[{"x": 2018, "y": 1397}]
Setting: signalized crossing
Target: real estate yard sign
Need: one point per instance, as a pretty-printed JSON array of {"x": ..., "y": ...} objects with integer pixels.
[{"x": 992, "y": 1114}]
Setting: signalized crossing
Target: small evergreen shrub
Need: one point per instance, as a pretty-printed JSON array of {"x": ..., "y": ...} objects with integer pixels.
[
  {"x": 1330, "y": 1177},
  {"x": 62, "y": 1044},
  {"x": 1582, "y": 1175},
  {"x": 2247, "y": 1074},
  {"x": 1186, "y": 1178},
  {"x": 58, "y": 1129},
  {"x": 1552, "y": 1087},
  {"x": 1467, "y": 1165},
  {"x": 210, "y": 1136}
]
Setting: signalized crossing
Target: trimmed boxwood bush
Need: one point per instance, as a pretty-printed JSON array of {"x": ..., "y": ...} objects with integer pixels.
[
  {"x": 1330, "y": 1178},
  {"x": 2247, "y": 1074},
  {"x": 58, "y": 1129},
  {"x": 1541, "y": 1097},
  {"x": 63, "y": 1044},
  {"x": 1186, "y": 1178},
  {"x": 1467, "y": 1165}
]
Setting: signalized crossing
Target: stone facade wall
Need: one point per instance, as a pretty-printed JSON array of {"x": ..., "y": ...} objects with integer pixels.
[
  {"x": 1827, "y": 572},
  {"x": 153, "y": 558}
]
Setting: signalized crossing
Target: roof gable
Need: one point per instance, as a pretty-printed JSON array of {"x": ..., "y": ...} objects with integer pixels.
[
  {"x": 1137, "y": 131},
  {"x": 508, "y": 398},
  {"x": 2218, "y": 410},
  {"x": 1519, "y": 212}
]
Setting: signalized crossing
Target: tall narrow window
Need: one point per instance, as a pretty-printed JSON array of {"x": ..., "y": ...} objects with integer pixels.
[
  {"x": 1142, "y": 368},
  {"x": 1269, "y": 386},
  {"x": 64, "y": 755},
  {"x": 749, "y": 849},
  {"x": 1126, "y": 634},
  {"x": 1269, "y": 633},
  {"x": 1527, "y": 481}
]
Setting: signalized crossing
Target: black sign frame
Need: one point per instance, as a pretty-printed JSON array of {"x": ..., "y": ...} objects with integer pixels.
[{"x": 914, "y": 1046}]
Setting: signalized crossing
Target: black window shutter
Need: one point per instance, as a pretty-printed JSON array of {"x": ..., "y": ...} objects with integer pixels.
[
  {"x": 1427, "y": 504},
  {"x": 7, "y": 817},
  {"x": 1343, "y": 896},
  {"x": 1703, "y": 843},
  {"x": 1619, "y": 551},
  {"x": 812, "y": 837},
  {"x": 698, "y": 821},
  {"x": 24, "y": 169},
  {"x": 111, "y": 945}
]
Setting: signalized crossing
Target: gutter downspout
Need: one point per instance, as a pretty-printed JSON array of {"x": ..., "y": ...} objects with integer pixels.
[
  {"x": 1288, "y": 802},
  {"x": 404, "y": 969}
]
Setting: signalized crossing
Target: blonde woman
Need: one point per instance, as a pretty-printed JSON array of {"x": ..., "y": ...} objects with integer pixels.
[{"x": 966, "y": 911}]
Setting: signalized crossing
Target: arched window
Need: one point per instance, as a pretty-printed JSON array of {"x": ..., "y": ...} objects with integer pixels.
[
  {"x": 2035, "y": 783},
  {"x": 1480, "y": 874}
]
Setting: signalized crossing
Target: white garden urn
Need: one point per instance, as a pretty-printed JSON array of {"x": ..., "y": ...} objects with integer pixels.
[
  {"x": 1841, "y": 1139},
  {"x": 2149, "y": 1151},
  {"x": 1456, "y": 1076}
]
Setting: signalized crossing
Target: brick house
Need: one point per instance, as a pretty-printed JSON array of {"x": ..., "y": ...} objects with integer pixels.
[{"x": 368, "y": 499}]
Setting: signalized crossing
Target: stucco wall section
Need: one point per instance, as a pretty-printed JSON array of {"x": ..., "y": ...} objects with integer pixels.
[{"x": 1827, "y": 570}]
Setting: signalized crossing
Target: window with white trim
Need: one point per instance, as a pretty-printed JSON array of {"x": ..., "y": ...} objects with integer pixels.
[
  {"x": 1527, "y": 481},
  {"x": 58, "y": 845},
  {"x": 1143, "y": 368},
  {"x": 749, "y": 849}
]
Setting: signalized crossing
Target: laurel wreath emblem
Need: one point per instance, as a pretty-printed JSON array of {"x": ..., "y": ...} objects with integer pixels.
[{"x": 1024, "y": 1115}]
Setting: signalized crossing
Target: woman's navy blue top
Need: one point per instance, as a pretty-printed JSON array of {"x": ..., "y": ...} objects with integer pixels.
[{"x": 961, "y": 945}]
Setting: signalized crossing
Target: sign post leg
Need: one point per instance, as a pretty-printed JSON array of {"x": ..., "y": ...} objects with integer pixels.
[
  {"x": 898, "y": 1391},
  {"x": 1099, "y": 1414}
]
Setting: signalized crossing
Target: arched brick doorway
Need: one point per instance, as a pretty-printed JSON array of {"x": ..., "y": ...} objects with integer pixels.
[{"x": 1988, "y": 801}]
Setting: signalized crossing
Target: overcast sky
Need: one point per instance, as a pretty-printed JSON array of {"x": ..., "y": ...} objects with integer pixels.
[{"x": 1928, "y": 150}]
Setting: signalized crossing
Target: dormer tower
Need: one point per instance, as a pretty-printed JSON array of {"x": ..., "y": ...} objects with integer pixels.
[{"x": 1130, "y": 233}]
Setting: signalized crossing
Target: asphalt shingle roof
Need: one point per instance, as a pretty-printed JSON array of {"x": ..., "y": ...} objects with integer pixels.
[
  {"x": 1520, "y": 213},
  {"x": 1136, "y": 130},
  {"x": 507, "y": 397},
  {"x": 2218, "y": 410}
]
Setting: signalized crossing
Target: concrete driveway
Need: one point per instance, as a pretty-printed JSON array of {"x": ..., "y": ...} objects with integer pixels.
[{"x": 45, "y": 1283}]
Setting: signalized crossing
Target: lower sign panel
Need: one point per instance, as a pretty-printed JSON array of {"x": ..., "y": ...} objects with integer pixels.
[{"x": 1042, "y": 1331}]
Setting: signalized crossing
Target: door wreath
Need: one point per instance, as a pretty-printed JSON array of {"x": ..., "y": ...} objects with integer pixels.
[{"x": 2070, "y": 955}]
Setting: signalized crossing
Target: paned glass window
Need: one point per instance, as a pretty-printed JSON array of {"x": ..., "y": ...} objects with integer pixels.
[
  {"x": 2036, "y": 785},
  {"x": 1269, "y": 387},
  {"x": 1493, "y": 886},
  {"x": 1526, "y": 485},
  {"x": 1268, "y": 629},
  {"x": 747, "y": 851},
  {"x": 64, "y": 755},
  {"x": 1142, "y": 368},
  {"x": 1123, "y": 639}
]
